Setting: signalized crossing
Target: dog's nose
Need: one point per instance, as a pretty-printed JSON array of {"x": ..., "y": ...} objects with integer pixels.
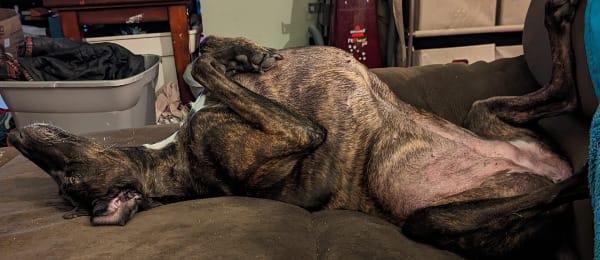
[{"x": 15, "y": 137}]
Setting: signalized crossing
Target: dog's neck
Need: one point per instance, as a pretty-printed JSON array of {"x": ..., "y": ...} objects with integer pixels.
[{"x": 160, "y": 172}]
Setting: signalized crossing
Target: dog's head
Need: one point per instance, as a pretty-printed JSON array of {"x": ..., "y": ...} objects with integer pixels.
[{"x": 91, "y": 176}]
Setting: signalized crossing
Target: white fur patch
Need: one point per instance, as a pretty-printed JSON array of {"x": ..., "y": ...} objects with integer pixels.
[
  {"x": 164, "y": 143},
  {"x": 196, "y": 106}
]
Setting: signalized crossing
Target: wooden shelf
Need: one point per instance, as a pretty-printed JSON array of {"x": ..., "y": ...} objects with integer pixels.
[{"x": 467, "y": 31}]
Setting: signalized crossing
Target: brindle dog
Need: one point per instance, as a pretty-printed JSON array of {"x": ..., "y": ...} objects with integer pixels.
[{"x": 318, "y": 130}]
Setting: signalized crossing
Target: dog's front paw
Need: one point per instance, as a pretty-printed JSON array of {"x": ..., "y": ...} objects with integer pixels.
[
  {"x": 246, "y": 57},
  {"x": 560, "y": 13}
]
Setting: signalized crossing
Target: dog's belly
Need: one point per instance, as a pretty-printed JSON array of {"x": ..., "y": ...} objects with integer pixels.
[
  {"x": 444, "y": 160},
  {"x": 522, "y": 156}
]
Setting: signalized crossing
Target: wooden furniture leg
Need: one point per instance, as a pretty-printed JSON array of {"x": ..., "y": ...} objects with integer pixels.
[
  {"x": 179, "y": 33},
  {"x": 70, "y": 25}
]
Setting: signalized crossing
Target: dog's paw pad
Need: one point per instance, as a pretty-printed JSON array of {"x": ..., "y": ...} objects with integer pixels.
[
  {"x": 247, "y": 58},
  {"x": 268, "y": 60}
]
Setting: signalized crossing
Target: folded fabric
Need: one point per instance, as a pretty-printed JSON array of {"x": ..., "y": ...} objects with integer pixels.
[{"x": 168, "y": 105}]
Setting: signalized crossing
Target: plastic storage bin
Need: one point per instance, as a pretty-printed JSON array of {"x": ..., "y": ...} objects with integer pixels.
[{"x": 85, "y": 106}]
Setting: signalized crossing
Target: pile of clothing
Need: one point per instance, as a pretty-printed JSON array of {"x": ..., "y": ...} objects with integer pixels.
[{"x": 48, "y": 59}]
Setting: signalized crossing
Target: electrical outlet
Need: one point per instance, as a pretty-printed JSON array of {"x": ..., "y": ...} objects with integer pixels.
[
  {"x": 314, "y": 8},
  {"x": 285, "y": 28}
]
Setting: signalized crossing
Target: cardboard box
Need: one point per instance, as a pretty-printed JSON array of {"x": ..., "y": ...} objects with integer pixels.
[
  {"x": 466, "y": 54},
  {"x": 508, "y": 51},
  {"x": 512, "y": 12},
  {"x": 11, "y": 32},
  {"x": 444, "y": 14}
]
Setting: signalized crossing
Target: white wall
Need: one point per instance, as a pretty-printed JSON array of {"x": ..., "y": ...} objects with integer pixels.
[{"x": 273, "y": 23}]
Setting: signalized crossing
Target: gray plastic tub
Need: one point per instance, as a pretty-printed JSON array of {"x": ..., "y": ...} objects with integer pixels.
[{"x": 85, "y": 106}]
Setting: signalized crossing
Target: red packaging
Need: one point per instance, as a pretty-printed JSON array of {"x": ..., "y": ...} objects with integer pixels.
[{"x": 355, "y": 30}]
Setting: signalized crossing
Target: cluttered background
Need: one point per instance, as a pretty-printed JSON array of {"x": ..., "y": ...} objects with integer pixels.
[{"x": 45, "y": 78}]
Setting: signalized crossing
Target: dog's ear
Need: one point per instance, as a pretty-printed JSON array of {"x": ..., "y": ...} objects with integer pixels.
[{"x": 117, "y": 208}]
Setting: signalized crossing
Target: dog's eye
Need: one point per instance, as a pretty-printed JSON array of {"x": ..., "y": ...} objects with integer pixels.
[
  {"x": 74, "y": 162},
  {"x": 73, "y": 179}
]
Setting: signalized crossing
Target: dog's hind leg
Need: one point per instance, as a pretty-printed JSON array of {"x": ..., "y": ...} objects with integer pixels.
[
  {"x": 495, "y": 227},
  {"x": 500, "y": 117}
]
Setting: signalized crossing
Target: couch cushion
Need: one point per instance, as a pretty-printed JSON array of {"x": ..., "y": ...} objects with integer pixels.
[{"x": 346, "y": 234}]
